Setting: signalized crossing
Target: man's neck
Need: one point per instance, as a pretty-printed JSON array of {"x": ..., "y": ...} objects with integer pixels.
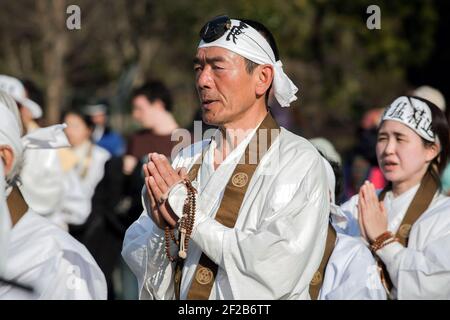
[
  {"x": 31, "y": 126},
  {"x": 166, "y": 126},
  {"x": 233, "y": 133},
  {"x": 249, "y": 120}
]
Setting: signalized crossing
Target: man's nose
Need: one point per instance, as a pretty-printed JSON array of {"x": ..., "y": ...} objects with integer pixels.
[{"x": 204, "y": 79}]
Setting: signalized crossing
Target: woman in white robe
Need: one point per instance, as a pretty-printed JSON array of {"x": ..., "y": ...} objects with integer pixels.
[
  {"x": 412, "y": 142},
  {"x": 39, "y": 254},
  {"x": 83, "y": 167}
]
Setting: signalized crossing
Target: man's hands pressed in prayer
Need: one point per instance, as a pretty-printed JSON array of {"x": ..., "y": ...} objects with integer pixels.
[{"x": 159, "y": 178}]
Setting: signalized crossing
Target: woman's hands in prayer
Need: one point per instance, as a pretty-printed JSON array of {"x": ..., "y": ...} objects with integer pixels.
[
  {"x": 372, "y": 215},
  {"x": 159, "y": 178}
]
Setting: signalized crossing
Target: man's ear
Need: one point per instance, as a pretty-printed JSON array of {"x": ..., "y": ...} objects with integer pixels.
[
  {"x": 264, "y": 74},
  {"x": 7, "y": 155}
]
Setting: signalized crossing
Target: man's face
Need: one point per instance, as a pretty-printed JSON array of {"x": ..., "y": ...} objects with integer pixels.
[
  {"x": 25, "y": 115},
  {"x": 225, "y": 88},
  {"x": 143, "y": 111},
  {"x": 99, "y": 119}
]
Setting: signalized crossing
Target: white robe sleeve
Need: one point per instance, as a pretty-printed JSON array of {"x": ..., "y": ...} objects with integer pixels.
[
  {"x": 76, "y": 205},
  {"x": 423, "y": 274},
  {"x": 96, "y": 171},
  {"x": 285, "y": 250},
  {"x": 42, "y": 186},
  {"x": 144, "y": 252},
  {"x": 69, "y": 277},
  {"x": 351, "y": 272}
]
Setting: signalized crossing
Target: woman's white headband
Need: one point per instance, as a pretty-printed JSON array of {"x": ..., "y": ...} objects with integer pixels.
[{"x": 414, "y": 113}]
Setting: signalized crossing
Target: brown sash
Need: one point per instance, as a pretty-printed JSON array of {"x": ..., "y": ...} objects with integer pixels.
[
  {"x": 227, "y": 213},
  {"x": 418, "y": 205},
  {"x": 16, "y": 205},
  {"x": 316, "y": 283}
]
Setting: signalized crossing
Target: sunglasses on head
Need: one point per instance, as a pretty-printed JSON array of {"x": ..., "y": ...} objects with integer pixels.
[{"x": 215, "y": 28}]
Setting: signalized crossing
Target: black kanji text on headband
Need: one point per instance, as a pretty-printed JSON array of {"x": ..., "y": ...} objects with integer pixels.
[{"x": 215, "y": 28}]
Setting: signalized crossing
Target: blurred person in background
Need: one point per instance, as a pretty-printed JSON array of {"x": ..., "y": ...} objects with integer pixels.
[
  {"x": 103, "y": 135},
  {"x": 152, "y": 106},
  {"x": 42, "y": 171},
  {"x": 85, "y": 163},
  {"x": 30, "y": 111},
  {"x": 42, "y": 261},
  {"x": 361, "y": 164},
  {"x": 87, "y": 159}
]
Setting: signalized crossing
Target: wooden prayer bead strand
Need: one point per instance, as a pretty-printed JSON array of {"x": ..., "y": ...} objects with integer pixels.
[
  {"x": 167, "y": 244},
  {"x": 186, "y": 225},
  {"x": 187, "y": 221},
  {"x": 172, "y": 236}
]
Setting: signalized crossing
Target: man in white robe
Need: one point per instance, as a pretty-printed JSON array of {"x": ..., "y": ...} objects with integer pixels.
[
  {"x": 278, "y": 240},
  {"x": 45, "y": 187},
  {"x": 39, "y": 254}
]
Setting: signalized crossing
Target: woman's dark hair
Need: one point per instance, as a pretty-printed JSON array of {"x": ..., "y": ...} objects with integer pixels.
[
  {"x": 339, "y": 176},
  {"x": 440, "y": 128},
  {"x": 86, "y": 119}
]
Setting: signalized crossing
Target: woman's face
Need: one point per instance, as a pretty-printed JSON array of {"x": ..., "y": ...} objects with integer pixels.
[
  {"x": 77, "y": 131},
  {"x": 401, "y": 153}
]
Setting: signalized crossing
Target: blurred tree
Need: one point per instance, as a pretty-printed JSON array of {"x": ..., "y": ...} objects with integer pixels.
[{"x": 341, "y": 67}]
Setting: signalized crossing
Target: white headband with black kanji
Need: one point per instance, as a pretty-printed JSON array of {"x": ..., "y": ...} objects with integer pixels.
[
  {"x": 249, "y": 43},
  {"x": 414, "y": 113}
]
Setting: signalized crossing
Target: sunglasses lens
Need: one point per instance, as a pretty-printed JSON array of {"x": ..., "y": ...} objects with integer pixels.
[{"x": 215, "y": 28}]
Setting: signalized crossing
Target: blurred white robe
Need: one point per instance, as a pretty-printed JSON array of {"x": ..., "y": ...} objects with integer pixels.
[
  {"x": 279, "y": 237},
  {"x": 78, "y": 191},
  {"x": 5, "y": 221},
  {"x": 47, "y": 258}
]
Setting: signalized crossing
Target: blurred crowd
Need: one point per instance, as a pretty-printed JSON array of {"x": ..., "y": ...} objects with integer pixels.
[{"x": 92, "y": 189}]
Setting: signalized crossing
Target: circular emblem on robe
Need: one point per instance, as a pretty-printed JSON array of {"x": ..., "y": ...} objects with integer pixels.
[
  {"x": 240, "y": 179},
  {"x": 204, "y": 275},
  {"x": 317, "y": 278},
  {"x": 404, "y": 230}
]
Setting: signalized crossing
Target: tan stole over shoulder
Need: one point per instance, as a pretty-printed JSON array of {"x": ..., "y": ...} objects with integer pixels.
[
  {"x": 228, "y": 211},
  {"x": 418, "y": 205},
  {"x": 17, "y": 205},
  {"x": 316, "y": 283}
]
